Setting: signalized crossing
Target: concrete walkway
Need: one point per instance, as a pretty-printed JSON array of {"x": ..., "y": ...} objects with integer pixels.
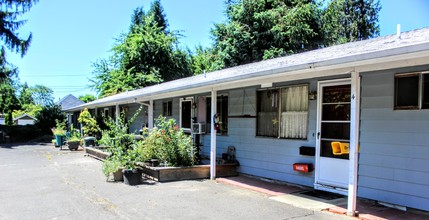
[{"x": 293, "y": 195}]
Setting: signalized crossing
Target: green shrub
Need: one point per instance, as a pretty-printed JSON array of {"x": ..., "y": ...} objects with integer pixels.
[
  {"x": 89, "y": 123},
  {"x": 167, "y": 143}
]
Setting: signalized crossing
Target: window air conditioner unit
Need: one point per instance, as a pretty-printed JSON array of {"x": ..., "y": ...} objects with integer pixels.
[{"x": 198, "y": 128}]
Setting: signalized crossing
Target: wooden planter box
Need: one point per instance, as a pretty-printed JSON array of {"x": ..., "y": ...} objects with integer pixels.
[
  {"x": 96, "y": 153},
  {"x": 165, "y": 174}
]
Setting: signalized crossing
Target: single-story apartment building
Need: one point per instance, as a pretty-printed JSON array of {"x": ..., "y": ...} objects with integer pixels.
[{"x": 358, "y": 112}]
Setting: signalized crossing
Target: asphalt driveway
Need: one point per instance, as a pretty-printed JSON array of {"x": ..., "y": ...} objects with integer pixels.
[{"x": 41, "y": 182}]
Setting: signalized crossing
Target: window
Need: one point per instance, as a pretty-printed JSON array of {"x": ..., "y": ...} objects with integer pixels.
[
  {"x": 106, "y": 112},
  {"x": 167, "y": 108},
  {"x": 412, "y": 91},
  {"x": 283, "y": 113},
  {"x": 222, "y": 111}
]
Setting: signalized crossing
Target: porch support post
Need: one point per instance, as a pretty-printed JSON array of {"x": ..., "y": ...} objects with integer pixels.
[
  {"x": 213, "y": 136},
  {"x": 354, "y": 143},
  {"x": 150, "y": 115},
  {"x": 117, "y": 113}
]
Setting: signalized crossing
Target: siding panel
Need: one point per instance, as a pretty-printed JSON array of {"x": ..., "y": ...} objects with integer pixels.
[
  {"x": 260, "y": 156},
  {"x": 393, "y": 161}
]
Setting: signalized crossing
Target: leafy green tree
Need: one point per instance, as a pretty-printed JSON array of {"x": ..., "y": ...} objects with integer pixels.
[
  {"x": 256, "y": 30},
  {"x": 204, "y": 59},
  {"x": 87, "y": 98},
  {"x": 148, "y": 54},
  {"x": 29, "y": 109},
  {"x": 42, "y": 95},
  {"x": 47, "y": 116},
  {"x": 350, "y": 20},
  {"x": 25, "y": 94}
]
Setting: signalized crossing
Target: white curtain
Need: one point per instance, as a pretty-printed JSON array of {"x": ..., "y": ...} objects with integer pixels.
[
  {"x": 294, "y": 125},
  {"x": 295, "y": 98},
  {"x": 294, "y": 112}
]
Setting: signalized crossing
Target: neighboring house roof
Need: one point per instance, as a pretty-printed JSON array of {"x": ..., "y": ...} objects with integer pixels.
[
  {"x": 25, "y": 116},
  {"x": 388, "y": 49},
  {"x": 70, "y": 101}
]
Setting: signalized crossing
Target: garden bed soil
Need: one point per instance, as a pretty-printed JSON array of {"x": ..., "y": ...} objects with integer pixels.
[{"x": 166, "y": 174}]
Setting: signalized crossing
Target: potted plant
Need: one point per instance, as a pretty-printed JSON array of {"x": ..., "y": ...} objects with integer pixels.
[
  {"x": 59, "y": 132},
  {"x": 75, "y": 140},
  {"x": 131, "y": 173},
  {"x": 113, "y": 166}
]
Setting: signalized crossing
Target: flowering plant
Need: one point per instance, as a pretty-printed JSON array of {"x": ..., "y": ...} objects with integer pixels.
[{"x": 168, "y": 143}]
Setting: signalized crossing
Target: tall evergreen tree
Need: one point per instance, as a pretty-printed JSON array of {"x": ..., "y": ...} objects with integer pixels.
[
  {"x": 8, "y": 99},
  {"x": 159, "y": 17},
  {"x": 350, "y": 20},
  {"x": 10, "y": 11},
  {"x": 257, "y": 30}
]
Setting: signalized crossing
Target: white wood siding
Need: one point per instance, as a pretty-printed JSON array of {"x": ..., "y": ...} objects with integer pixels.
[{"x": 394, "y": 156}]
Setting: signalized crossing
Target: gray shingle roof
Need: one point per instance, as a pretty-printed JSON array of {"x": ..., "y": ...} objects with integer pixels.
[
  {"x": 411, "y": 41},
  {"x": 70, "y": 101}
]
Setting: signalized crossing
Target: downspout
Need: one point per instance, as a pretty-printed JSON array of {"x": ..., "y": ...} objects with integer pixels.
[
  {"x": 354, "y": 143},
  {"x": 213, "y": 136}
]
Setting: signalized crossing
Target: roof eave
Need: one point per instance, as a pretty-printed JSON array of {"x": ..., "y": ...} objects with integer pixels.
[{"x": 351, "y": 62}]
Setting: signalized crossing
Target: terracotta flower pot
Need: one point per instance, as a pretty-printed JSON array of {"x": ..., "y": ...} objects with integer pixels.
[{"x": 118, "y": 176}]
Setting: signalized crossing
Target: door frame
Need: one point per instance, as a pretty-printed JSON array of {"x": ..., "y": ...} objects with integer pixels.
[
  {"x": 320, "y": 85},
  {"x": 186, "y": 99}
]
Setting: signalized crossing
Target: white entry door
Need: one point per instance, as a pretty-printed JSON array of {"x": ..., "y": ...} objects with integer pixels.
[{"x": 332, "y": 164}]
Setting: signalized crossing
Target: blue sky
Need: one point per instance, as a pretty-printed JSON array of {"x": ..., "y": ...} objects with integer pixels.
[{"x": 68, "y": 36}]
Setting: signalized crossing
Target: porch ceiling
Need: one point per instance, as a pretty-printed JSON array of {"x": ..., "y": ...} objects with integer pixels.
[{"x": 411, "y": 49}]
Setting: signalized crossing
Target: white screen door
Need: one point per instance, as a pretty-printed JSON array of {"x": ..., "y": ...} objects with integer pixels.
[{"x": 332, "y": 162}]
